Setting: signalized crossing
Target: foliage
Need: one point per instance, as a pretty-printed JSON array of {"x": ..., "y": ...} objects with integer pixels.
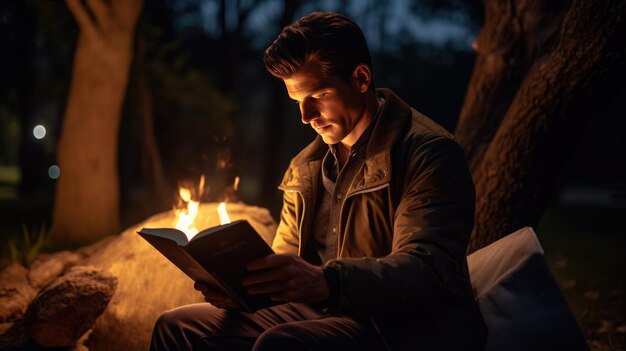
[{"x": 26, "y": 248}]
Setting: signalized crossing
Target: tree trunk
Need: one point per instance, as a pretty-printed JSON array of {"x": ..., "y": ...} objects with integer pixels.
[
  {"x": 515, "y": 34},
  {"x": 574, "y": 65},
  {"x": 86, "y": 204}
]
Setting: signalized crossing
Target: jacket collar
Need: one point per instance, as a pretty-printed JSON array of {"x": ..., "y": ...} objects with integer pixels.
[{"x": 394, "y": 116}]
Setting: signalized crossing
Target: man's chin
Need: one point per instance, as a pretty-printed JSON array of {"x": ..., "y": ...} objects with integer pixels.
[{"x": 329, "y": 139}]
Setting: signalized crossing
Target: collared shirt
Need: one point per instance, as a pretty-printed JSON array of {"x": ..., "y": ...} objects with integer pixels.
[{"x": 335, "y": 185}]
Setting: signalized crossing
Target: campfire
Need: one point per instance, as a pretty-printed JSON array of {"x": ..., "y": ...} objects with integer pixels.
[
  {"x": 188, "y": 205},
  {"x": 221, "y": 210}
]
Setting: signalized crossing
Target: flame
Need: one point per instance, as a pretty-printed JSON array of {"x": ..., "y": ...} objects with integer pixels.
[
  {"x": 187, "y": 215},
  {"x": 236, "y": 184},
  {"x": 201, "y": 185},
  {"x": 187, "y": 210},
  {"x": 221, "y": 210}
]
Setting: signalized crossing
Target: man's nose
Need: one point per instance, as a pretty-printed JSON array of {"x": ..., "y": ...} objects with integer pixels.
[{"x": 308, "y": 112}]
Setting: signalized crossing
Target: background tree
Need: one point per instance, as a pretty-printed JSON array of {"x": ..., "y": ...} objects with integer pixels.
[
  {"x": 87, "y": 193},
  {"x": 542, "y": 69}
]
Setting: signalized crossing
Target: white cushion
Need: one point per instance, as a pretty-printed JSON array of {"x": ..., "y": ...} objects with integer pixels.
[{"x": 521, "y": 301}]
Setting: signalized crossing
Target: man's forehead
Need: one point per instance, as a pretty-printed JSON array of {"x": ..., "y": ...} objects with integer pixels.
[
  {"x": 305, "y": 81},
  {"x": 302, "y": 85}
]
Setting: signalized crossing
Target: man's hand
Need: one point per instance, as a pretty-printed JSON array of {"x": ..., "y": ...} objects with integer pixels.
[
  {"x": 214, "y": 297},
  {"x": 287, "y": 278}
]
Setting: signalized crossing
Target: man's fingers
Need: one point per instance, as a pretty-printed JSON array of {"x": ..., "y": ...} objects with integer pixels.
[
  {"x": 217, "y": 298},
  {"x": 270, "y": 261},
  {"x": 262, "y": 263},
  {"x": 269, "y": 287},
  {"x": 200, "y": 286},
  {"x": 215, "y": 294},
  {"x": 265, "y": 276},
  {"x": 282, "y": 297},
  {"x": 209, "y": 291},
  {"x": 221, "y": 303}
]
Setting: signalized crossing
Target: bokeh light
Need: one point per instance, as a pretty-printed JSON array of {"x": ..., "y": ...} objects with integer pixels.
[
  {"x": 39, "y": 131},
  {"x": 54, "y": 172}
]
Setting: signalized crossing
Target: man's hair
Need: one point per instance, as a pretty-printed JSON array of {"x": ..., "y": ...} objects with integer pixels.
[{"x": 330, "y": 41}]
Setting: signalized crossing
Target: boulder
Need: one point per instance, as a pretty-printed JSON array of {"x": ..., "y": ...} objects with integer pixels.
[
  {"x": 148, "y": 283},
  {"x": 68, "y": 308},
  {"x": 15, "y": 292},
  {"x": 48, "y": 267},
  {"x": 13, "y": 336}
]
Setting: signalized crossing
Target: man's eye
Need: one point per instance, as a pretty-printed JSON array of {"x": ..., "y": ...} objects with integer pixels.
[{"x": 320, "y": 96}]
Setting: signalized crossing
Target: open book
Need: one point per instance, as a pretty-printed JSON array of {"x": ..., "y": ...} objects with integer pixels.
[{"x": 216, "y": 256}]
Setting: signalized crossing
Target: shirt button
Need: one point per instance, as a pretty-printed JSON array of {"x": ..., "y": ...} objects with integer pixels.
[
  {"x": 339, "y": 196},
  {"x": 334, "y": 229}
]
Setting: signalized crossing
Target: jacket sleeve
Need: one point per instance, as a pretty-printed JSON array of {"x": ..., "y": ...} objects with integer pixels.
[
  {"x": 432, "y": 225},
  {"x": 287, "y": 238}
]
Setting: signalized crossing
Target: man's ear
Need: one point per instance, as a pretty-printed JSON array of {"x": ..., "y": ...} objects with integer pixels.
[{"x": 362, "y": 77}]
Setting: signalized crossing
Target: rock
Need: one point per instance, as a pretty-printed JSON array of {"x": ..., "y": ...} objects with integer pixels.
[
  {"x": 4, "y": 327},
  {"x": 15, "y": 292},
  {"x": 12, "y": 335},
  {"x": 98, "y": 246},
  {"x": 49, "y": 267},
  {"x": 68, "y": 308},
  {"x": 149, "y": 284},
  {"x": 79, "y": 347}
]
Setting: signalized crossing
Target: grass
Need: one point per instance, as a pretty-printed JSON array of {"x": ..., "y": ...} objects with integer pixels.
[
  {"x": 23, "y": 226},
  {"x": 584, "y": 247},
  {"x": 26, "y": 247}
]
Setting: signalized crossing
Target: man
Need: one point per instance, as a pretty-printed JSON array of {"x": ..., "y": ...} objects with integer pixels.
[{"x": 377, "y": 214}]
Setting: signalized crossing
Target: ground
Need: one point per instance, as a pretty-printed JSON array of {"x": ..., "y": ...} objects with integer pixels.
[{"x": 584, "y": 247}]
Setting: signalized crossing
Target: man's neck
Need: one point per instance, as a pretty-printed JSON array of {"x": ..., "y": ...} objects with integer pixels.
[
  {"x": 372, "y": 104},
  {"x": 371, "y": 108},
  {"x": 343, "y": 153}
]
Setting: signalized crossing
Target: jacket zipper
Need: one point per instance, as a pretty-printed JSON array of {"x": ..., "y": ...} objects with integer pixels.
[
  {"x": 340, "y": 246},
  {"x": 340, "y": 242}
]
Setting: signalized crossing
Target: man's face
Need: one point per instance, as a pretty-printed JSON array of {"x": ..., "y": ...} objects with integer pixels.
[{"x": 330, "y": 105}]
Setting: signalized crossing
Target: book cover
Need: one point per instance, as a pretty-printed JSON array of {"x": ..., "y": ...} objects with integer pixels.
[{"x": 216, "y": 256}]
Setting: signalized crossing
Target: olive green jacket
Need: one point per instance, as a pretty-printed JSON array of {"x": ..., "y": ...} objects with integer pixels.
[{"x": 404, "y": 229}]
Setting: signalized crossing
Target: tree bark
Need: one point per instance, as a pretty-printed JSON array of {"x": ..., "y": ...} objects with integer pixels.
[
  {"x": 578, "y": 69},
  {"x": 514, "y": 36},
  {"x": 86, "y": 204}
]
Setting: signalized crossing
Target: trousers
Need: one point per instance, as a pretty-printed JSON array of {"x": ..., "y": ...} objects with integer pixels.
[{"x": 289, "y": 326}]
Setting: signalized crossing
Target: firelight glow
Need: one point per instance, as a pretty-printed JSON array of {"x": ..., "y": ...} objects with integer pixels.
[
  {"x": 221, "y": 210},
  {"x": 236, "y": 183},
  {"x": 187, "y": 214}
]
